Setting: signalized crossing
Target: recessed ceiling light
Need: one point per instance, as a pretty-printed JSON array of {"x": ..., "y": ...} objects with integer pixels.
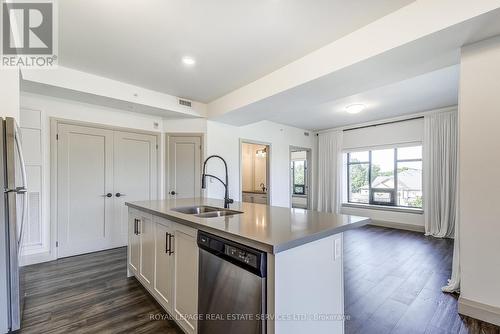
[
  {"x": 188, "y": 61},
  {"x": 355, "y": 108}
]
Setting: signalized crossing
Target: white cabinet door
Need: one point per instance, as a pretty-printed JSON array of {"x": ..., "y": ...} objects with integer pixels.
[
  {"x": 185, "y": 283},
  {"x": 147, "y": 245},
  {"x": 84, "y": 177},
  {"x": 134, "y": 254},
  {"x": 164, "y": 262},
  {"x": 184, "y": 165},
  {"x": 135, "y": 176}
]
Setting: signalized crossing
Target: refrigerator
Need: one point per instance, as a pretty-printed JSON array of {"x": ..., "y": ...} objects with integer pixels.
[{"x": 13, "y": 217}]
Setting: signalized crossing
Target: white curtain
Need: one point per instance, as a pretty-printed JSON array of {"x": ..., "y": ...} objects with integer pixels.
[
  {"x": 454, "y": 281},
  {"x": 441, "y": 184},
  {"x": 440, "y": 173},
  {"x": 329, "y": 172}
]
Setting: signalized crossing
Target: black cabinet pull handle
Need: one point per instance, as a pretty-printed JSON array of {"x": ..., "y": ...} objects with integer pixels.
[
  {"x": 119, "y": 195},
  {"x": 108, "y": 195},
  {"x": 167, "y": 242},
  {"x": 170, "y": 237},
  {"x": 172, "y": 192},
  {"x": 135, "y": 226}
]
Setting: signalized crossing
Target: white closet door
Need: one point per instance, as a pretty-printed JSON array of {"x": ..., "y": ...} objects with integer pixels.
[
  {"x": 84, "y": 177},
  {"x": 135, "y": 176},
  {"x": 184, "y": 164}
]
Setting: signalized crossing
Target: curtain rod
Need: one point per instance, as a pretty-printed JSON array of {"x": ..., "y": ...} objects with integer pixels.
[{"x": 391, "y": 122}]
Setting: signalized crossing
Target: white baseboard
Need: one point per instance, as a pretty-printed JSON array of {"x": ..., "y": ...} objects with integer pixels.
[
  {"x": 479, "y": 311},
  {"x": 41, "y": 257},
  {"x": 399, "y": 226}
]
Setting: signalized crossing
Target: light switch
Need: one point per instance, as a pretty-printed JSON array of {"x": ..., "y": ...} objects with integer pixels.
[{"x": 338, "y": 248}]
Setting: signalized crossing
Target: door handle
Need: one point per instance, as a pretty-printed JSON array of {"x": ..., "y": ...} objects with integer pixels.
[
  {"x": 108, "y": 195},
  {"x": 172, "y": 192},
  {"x": 170, "y": 237},
  {"x": 119, "y": 195}
]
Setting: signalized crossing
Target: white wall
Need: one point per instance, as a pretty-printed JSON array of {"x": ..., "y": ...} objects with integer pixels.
[
  {"x": 186, "y": 125},
  {"x": 224, "y": 140},
  {"x": 479, "y": 158},
  {"x": 411, "y": 131},
  {"x": 91, "y": 85},
  {"x": 9, "y": 93}
]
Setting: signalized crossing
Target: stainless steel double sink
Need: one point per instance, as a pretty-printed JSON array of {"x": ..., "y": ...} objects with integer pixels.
[{"x": 205, "y": 211}]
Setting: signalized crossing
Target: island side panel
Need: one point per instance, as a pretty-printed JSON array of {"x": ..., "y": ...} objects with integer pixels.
[
  {"x": 270, "y": 291},
  {"x": 308, "y": 286}
]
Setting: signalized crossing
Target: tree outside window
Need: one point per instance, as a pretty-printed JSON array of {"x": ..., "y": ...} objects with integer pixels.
[
  {"x": 299, "y": 177},
  {"x": 386, "y": 177}
]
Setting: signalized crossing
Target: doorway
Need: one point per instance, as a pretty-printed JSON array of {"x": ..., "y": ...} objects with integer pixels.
[
  {"x": 97, "y": 169},
  {"x": 255, "y": 178},
  {"x": 184, "y": 159},
  {"x": 300, "y": 177}
]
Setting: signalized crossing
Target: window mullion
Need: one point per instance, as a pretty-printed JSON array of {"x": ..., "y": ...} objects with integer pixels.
[
  {"x": 396, "y": 177},
  {"x": 370, "y": 177}
]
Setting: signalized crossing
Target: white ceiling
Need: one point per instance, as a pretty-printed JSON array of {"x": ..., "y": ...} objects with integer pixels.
[
  {"x": 416, "y": 76},
  {"x": 433, "y": 90},
  {"x": 234, "y": 41}
]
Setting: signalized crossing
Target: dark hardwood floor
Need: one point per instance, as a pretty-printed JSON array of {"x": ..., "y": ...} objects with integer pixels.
[
  {"x": 89, "y": 294},
  {"x": 392, "y": 282}
]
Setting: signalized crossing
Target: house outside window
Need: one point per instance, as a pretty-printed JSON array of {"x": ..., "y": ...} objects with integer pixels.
[{"x": 391, "y": 177}]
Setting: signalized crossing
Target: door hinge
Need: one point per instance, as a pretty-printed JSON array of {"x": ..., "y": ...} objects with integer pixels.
[
  {"x": 57, "y": 136},
  {"x": 57, "y": 243}
]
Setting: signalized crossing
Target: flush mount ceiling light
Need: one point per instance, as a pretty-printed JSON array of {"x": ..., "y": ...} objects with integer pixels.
[
  {"x": 355, "y": 108},
  {"x": 188, "y": 61}
]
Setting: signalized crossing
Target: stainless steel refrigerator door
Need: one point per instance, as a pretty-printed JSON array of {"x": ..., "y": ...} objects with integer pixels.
[
  {"x": 226, "y": 290},
  {"x": 16, "y": 192},
  {"x": 4, "y": 242}
]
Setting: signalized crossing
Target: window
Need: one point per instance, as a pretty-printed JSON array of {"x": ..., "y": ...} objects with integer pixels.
[
  {"x": 390, "y": 177},
  {"x": 299, "y": 177}
]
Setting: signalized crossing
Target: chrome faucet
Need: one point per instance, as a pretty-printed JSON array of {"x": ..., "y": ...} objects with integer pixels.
[{"x": 227, "y": 200}]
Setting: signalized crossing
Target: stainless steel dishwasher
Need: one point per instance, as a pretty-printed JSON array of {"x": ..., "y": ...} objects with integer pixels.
[{"x": 231, "y": 288}]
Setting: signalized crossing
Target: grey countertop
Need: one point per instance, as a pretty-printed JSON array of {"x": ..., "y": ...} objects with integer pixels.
[
  {"x": 254, "y": 192},
  {"x": 268, "y": 228}
]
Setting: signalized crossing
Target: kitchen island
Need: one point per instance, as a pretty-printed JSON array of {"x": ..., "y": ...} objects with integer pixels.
[{"x": 303, "y": 257}]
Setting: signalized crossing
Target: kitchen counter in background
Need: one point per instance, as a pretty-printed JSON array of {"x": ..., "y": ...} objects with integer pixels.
[
  {"x": 254, "y": 192},
  {"x": 267, "y": 228}
]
